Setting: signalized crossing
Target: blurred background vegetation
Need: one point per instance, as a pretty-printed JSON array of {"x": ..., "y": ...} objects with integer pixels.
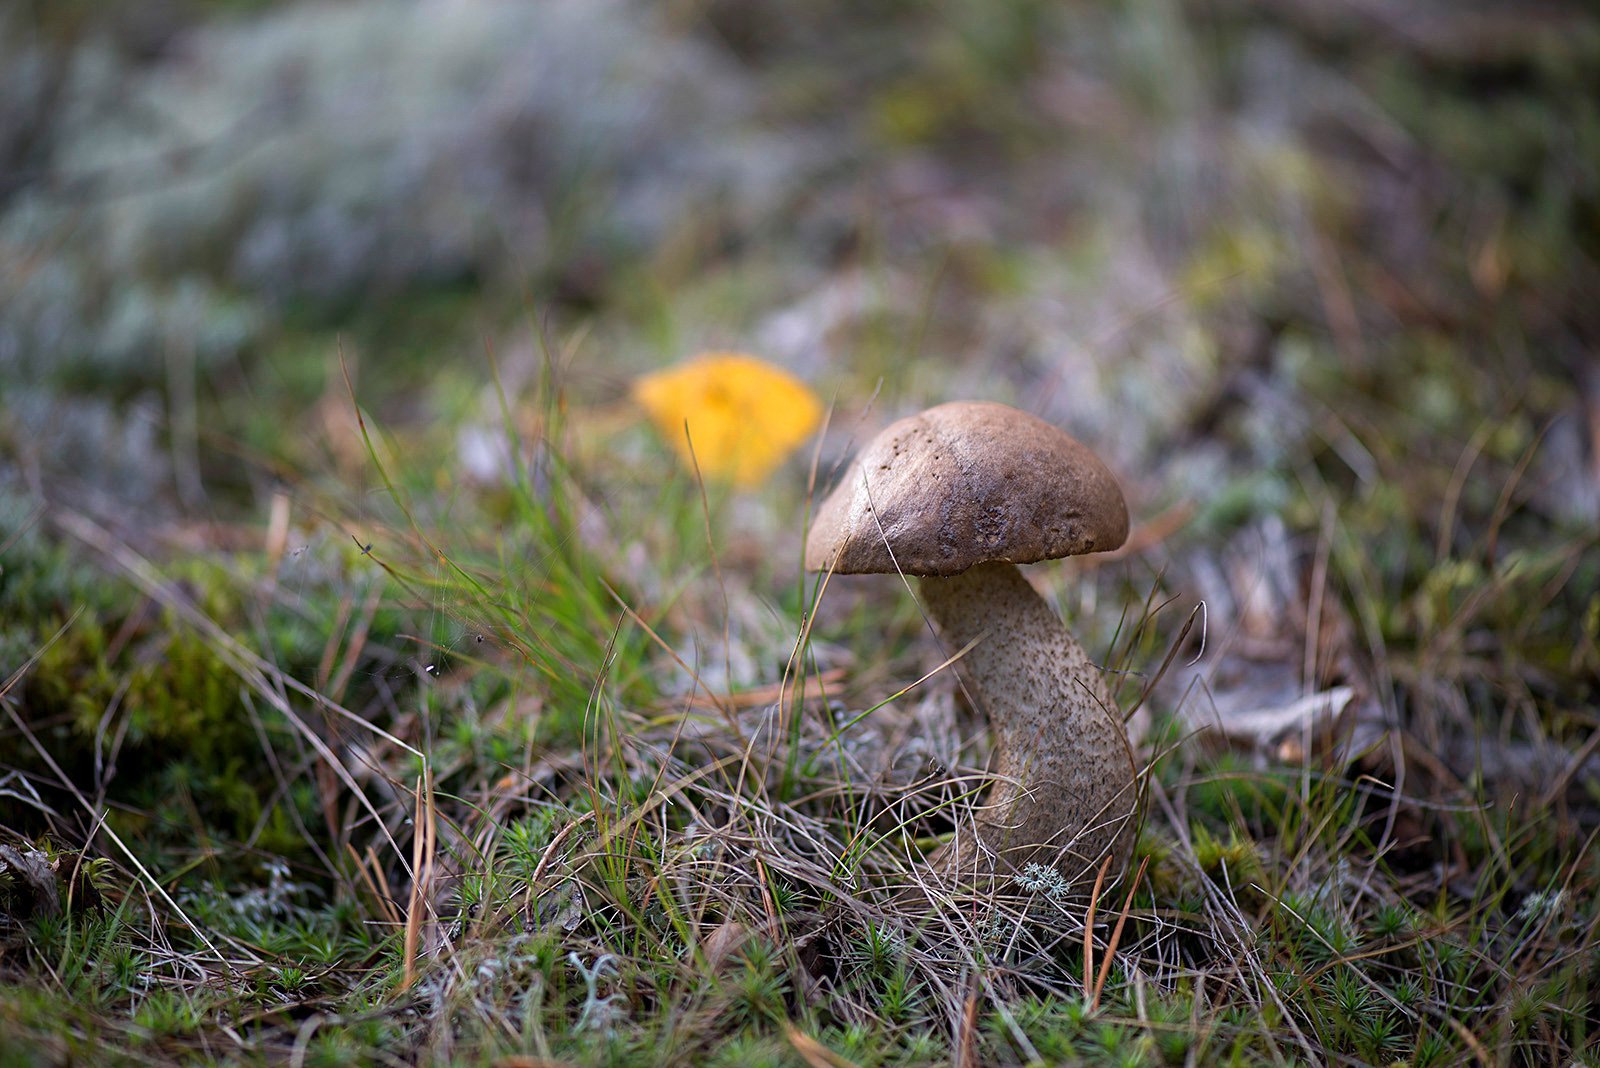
[{"x": 1318, "y": 280}]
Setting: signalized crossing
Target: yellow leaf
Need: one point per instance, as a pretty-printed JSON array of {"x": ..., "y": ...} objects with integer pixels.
[{"x": 744, "y": 415}]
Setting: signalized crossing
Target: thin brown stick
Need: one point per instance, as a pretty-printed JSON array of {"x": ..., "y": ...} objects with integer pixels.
[{"x": 774, "y": 930}]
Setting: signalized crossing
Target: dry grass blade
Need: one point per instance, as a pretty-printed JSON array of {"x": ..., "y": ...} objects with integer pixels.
[
  {"x": 1116, "y": 936},
  {"x": 1166, "y": 662},
  {"x": 423, "y": 848},
  {"x": 1090, "y": 988},
  {"x": 1482, "y": 1055},
  {"x": 553, "y": 848},
  {"x": 371, "y": 871},
  {"x": 967, "y": 1031}
]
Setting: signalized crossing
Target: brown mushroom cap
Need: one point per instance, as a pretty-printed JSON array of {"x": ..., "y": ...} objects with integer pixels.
[{"x": 961, "y": 484}]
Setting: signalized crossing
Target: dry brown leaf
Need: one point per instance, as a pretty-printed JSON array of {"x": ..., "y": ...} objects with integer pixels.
[{"x": 723, "y": 941}]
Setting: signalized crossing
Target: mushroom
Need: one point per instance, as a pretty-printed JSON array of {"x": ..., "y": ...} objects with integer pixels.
[{"x": 959, "y": 495}]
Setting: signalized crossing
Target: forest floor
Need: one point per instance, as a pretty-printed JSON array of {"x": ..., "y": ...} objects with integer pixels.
[{"x": 378, "y": 685}]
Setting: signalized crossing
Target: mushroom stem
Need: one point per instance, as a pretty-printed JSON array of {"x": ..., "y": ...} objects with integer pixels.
[{"x": 1064, "y": 791}]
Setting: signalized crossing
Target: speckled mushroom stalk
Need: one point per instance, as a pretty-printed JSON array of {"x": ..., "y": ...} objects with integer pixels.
[
  {"x": 1064, "y": 774},
  {"x": 959, "y": 495}
]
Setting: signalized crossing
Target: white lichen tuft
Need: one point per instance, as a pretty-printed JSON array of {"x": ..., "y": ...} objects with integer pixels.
[
  {"x": 1039, "y": 879},
  {"x": 598, "y": 1013}
]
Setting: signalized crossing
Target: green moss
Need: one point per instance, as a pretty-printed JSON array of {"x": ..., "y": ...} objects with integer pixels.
[{"x": 1229, "y": 788}]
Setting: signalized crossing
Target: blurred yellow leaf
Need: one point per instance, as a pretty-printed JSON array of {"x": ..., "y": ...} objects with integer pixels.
[{"x": 744, "y": 415}]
